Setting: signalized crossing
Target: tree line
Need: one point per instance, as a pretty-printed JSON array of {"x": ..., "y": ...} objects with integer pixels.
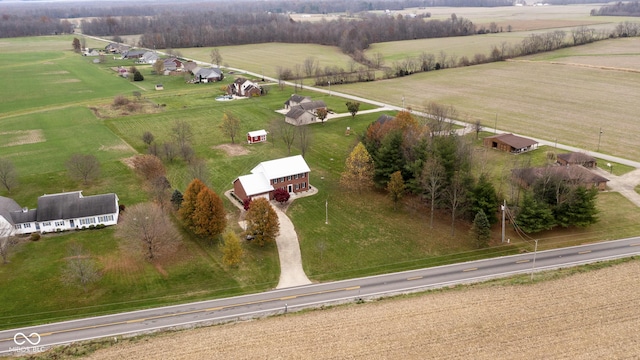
[{"x": 618, "y": 9}]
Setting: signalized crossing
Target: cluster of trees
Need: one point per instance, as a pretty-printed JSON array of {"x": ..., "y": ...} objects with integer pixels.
[
  {"x": 179, "y": 145},
  {"x": 32, "y": 25},
  {"x": 402, "y": 154},
  {"x": 202, "y": 211},
  {"x": 620, "y": 8},
  {"x": 552, "y": 201},
  {"x": 211, "y": 28}
]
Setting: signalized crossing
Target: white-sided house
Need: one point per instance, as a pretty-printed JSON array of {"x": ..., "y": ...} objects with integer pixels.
[
  {"x": 256, "y": 136},
  {"x": 296, "y": 100},
  {"x": 207, "y": 75},
  {"x": 305, "y": 113},
  {"x": 290, "y": 173},
  {"x": 149, "y": 57},
  {"x": 67, "y": 211},
  {"x": 7, "y": 206},
  {"x": 244, "y": 87}
]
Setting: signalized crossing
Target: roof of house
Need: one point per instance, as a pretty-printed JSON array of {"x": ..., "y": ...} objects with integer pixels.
[
  {"x": 384, "y": 118},
  {"x": 295, "y": 98},
  {"x": 8, "y": 205},
  {"x": 278, "y": 168},
  {"x": 73, "y": 205},
  {"x": 149, "y": 55},
  {"x": 257, "y": 133},
  {"x": 576, "y": 158},
  {"x": 312, "y": 105},
  {"x": 255, "y": 184},
  {"x": 21, "y": 217},
  {"x": 134, "y": 52},
  {"x": 578, "y": 174},
  {"x": 207, "y": 73},
  {"x": 515, "y": 141},
  {"x": 295, "y": 112}
]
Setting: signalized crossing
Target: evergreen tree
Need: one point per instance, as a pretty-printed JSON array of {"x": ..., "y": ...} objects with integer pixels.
[
  {"x": 580, "y": 210},
  {"x": 388, "y": 158},
  {"x": 485, "y": 199},
  {"x": 176, "y": 199},
  {"x": 481, "y": 229},
  {"x": 534, "y": 216}
]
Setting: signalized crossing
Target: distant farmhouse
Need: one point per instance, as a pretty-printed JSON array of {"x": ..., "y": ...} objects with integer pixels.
[
  {"x": 576, "y": 175},
  {"x": 577, "y": 158},
  {"x": 510, "y": 143},
  {"x": 115, "y": 48},
  {"x": 302, "y": 110},
  {"x": 206, "y": 75},
  {"x": 290, "y": 173},
  {"x": 245, "y": 88},
  {"x": 60, "y": 212}
]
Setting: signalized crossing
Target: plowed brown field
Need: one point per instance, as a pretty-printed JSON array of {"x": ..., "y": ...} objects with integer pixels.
[{"x": 592, "y": 315}]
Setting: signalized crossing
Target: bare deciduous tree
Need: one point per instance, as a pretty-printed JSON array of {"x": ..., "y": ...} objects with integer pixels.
[
  {"x": 149, "y": 166},
  {"x": 230, "y": 126},
  {"x": 182, "y": 133},
  {"x": 80, "y": 269},
  {"x": 304, "y": 139},
  {"x": 440, "y": 118},
  {"x": 147, "y": 230},
  {"x": 83, "y": 167},
  {"x": 8, "y": 175},
  {"x": 216, "y": 57},
  {"x": 310, "y": 65},
  {"x": 147, "y": 137},
  {"x": 433, "y": 178}
]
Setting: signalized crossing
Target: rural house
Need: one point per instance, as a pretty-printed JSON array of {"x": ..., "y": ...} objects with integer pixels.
[
  {"x": 577, "y": 158},
  {"x": 116, "y": 48},
  {"x": 7, "y": 206},
  {"x": 256, "y": 136},
  {"x": 206, "y": 75},
  {"x": 510, "y": 143},
  {"x": 66, "y": 211},
  {"x": 290, "y": 173},
  {"x": 244, "y": 87},
  {"x": 149, "y": 57},
  {"x": 173, "y": 64},
  {"x": 295, "y": 100},
  {"x": 304, "y": 113},
  {"x": 574, "y": 175},
  {"x": 133, "y": 54}
]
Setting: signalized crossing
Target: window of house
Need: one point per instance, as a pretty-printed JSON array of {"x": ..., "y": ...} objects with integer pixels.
[
  {"x": 303, "y": 185},
  {"x": 289, "y": 177},
  {"x": 18, "y": 226},
  {"x": 303, "y": 175},
  {"x": 59, "y": 223},
  {"x": 46, "y": 223},
  {"x": 296, "y": 176},
  {"x": 27, "y": 226},
  {"x": 297, "y": 186}
]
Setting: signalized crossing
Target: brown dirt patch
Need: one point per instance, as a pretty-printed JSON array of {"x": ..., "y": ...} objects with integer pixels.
[
  {"x": 68, "y": 81},
  {"x": 132, "y": 108},
  {"x": 232, "y": 149},
  {"x": 117, "y": 147},
  {"x": 590, "y": 315},
  {"x": 122, "y": 265},
  {"x": 22, "y": 137},
  {"x": 129, "y": 162},
  {"x": 61, "y": 72}
]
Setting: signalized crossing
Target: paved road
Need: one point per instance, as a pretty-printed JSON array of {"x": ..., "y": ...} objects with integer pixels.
[{"x": 282, "y": 300}]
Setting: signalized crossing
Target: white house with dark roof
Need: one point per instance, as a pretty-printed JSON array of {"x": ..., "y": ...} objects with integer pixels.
[
  {"x": 206, "y": 75},
  {"x": 66, "y": 211},
  {"x": 7, "y": 206},
  {"x": 290, "y": 173},
  {"x": 295, "y": 100}
]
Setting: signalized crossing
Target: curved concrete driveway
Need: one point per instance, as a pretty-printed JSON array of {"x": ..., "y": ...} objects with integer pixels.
[{"x": 291, "y": 272}]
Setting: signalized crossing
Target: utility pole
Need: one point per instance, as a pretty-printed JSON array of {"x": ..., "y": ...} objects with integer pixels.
[
  {"x": 504, "y": 209},
  {"x": 599, "y": 137},
  {"x": 535, "y": 251}
]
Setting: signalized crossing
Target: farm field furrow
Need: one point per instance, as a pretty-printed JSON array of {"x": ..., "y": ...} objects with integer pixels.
[
  {"x": 587, "y": 315},
  {"x": 548, "y": 101}
]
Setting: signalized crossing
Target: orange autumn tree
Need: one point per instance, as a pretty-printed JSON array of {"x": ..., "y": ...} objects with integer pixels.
[{"x": 209, "y": 219}]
